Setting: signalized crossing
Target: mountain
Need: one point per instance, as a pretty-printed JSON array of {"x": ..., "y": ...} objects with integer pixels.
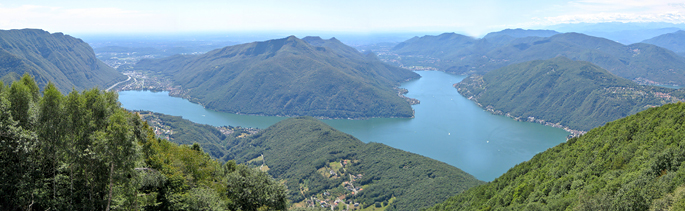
[
  {"x": 452, "y": 44},
  {"x": 315, "y": 160},
  {"x": 625, "y": 33},
  {"x": 575, "y": 94},
  {"x": 634, "y": 163},
  {"x": 289, "y": 77},
  {"x": 640, "y": 62},
  {"x": 511, "y": 34},
  {"x": 434, "y": 45},
  {"x": 672, "y": 41},
  {"x": 66, "y": 61}
]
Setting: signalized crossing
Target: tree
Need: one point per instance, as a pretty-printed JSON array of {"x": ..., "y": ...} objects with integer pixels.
[
  {"x": 21, "y": 102},
  {"x": 16, "y": 147},
  {"x": 116, "y": 147},
  {"x": 50, "y": 132},
  {"x": 252, "y": 189}
]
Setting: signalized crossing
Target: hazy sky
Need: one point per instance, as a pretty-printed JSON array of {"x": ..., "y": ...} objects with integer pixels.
[{"x": 471, "y": 17}]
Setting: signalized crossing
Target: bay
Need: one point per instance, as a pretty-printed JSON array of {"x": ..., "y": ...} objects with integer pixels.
[{"x": 447, "y": 127}]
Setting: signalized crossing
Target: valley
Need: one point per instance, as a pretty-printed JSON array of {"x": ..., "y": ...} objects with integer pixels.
[
  {"x": 341, "y": 106},
  {"x": 447, "y": 126}
]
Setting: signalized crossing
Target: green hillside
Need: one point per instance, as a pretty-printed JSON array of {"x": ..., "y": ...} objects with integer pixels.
[
  {"x": 66, "y": 61},
  {"x": 672, "y": 41},
  {"x": 303, "y": 151},
  {"x": 575, "y": 94},
  {"x": 83, "y": 151},
  {"x": 640, "y": 62},
  {"x": 630, "y": 164},
  {"x": 289, "y": 77}
]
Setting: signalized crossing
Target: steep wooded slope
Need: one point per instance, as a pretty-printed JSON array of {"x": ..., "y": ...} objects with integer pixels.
[
  {"x": 66, "y": 61},
  {"x": 635, "y": 163},
  {"x": 575, "y": 94}
]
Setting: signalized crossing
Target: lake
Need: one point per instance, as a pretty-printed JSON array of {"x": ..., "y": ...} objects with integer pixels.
[{"x": 447, "y": 127}]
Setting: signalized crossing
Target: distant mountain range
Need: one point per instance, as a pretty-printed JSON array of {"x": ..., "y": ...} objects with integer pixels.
[
  {"x": 66, "y": 61},
  {"x": 313, "y": 159},
  {"x": 459, "y": 54},
  {"x": 289, "y": 77},
  {"x": 634, "y": 163},
  {"x": 672, "y": 41},
  {"x": 575, "y": 94},
  {"x": 624, "y": 33}
]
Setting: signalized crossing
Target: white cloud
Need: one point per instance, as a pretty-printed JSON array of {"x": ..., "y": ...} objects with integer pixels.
[
  {"x": 58, "y": 19},
  {"x": 597, "y": 11}
]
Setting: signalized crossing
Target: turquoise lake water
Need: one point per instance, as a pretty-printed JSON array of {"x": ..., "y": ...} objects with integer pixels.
[{"x": 447, "y": 127}]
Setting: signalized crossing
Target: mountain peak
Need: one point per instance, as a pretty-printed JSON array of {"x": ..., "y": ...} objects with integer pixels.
[
  {"x": 312, "y": 38},
  {"x": 518, "y": 33}
]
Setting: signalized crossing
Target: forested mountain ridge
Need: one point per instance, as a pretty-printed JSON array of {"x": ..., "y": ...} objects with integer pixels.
[
  {"x": 66, "y": 61},
  {"x": 574, "y": 94},
  {"x": 289, "y": 77},
  {"x": 634, "y": 163},
  {"x": 315, "y": 160},
  {"x": 83, "y": 151},
  {"x": 434, "y": 46},
  {"x": 519, "y": 33},
  {"x": 644, "y": 63},
  {"x": 672, "y": 41}
]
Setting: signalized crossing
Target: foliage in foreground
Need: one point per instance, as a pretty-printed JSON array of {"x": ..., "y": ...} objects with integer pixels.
[
  {"x": 635, "y": 163},
  {"x": 84, "y": 152}
]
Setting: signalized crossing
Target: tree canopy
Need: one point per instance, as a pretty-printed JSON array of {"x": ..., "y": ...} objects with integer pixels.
[{"x": 83, "y": 151}]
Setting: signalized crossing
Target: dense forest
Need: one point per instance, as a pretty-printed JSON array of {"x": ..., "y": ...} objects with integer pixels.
[
  {"x": 288, "y": 77},
  {"x": 303, "y": 151},
  {"x": 635, "y": 163},
  {"x": 65, "y": 61},
  {"x": 83, "y": 151},
  {"x": 460, "y": 54},
  {"x": 576, "y": 94}
]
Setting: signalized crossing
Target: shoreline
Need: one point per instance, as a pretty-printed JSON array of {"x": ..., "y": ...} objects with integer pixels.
[
  {"x": 180, "y": 94},
  {"x": 574, "y": 133}
]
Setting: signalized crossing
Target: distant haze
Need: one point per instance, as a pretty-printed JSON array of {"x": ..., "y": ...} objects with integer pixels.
[{"x": 473, "y": 18}]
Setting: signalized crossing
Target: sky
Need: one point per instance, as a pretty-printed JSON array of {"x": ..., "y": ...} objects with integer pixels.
[{"x": 474, "y": 18}]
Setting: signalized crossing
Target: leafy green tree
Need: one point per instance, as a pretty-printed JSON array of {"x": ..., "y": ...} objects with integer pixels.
[
  {"x": 252, "y": 189},
  {"x": 84, "y": 152},
  {"x": 29, "y": 82},
  {"x": 50, "y": 133},
  {"x": 16, "y": 150},
  {"x": 22, "y": 105},
  {"x": 116, "y": 147}
]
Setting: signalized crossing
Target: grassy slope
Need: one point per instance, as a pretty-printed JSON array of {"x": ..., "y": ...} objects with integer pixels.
[{"x": 634, "y": 163}]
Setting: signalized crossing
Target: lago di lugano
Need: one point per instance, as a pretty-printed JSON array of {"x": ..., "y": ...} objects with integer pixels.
[{"x": 447, "y": 127}]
